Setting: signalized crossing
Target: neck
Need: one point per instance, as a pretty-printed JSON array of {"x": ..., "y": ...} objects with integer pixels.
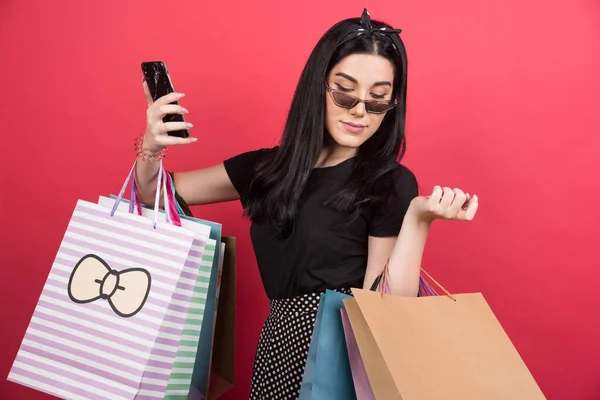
[{"x": 333, "y": 154}]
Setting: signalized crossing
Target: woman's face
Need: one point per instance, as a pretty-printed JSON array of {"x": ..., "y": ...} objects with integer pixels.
[{"x": 366, "y": 77}]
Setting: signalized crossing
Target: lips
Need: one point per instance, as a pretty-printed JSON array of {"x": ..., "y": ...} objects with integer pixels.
[{"x": 353, "y": 128}]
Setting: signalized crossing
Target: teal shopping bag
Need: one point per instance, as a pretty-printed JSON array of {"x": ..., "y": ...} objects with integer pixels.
[{"x": 327, "y": 374}]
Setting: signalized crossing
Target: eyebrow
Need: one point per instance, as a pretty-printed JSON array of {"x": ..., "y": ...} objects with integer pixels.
[{"x": 352, "y": 79}]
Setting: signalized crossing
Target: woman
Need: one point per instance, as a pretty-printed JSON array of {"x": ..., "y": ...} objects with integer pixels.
[{"x": 331, "y": 204}]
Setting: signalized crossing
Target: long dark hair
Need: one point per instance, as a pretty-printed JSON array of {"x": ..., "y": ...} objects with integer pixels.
[{"x": 278, "y": 182}]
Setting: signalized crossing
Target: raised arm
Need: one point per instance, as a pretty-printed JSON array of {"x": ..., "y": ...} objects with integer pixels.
[{"x": 204, "y": 186}]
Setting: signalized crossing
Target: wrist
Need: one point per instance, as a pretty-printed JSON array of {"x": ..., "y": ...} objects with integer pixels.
[
  {"x": 149, "y": 148},
  {"x": 417, "y": 219},
  {"x": 148, "y": 153}
]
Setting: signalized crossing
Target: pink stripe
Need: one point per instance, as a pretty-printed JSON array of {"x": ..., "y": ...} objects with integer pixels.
[
  {"x": 83, "y": 317},
  {"x": 185, "y": 286},
  {"x": 76, "y": 390},
  {"x": 189, "y": 275},
  {"x": 105, "y": 359},
  {"x": 89, "y": 331},
  {"x": 107, "y": 251},
  {"x": 135, "y": 247},
  {"x": 98, "y": 305},
  {"x": 161, "y": 364},
  {"x": 140, "y": 223},
  {"x": 181, "y": 309},
  {"x": 153, "y": 387},
  {"x": 71, "y": 264},
  {"x": 80, "y": 366},
  {"x": 101, "y": 307},
  {"x": 172, "y": 331},
  {"x": 197, "y": 254},
  {"x": 192, "y": 264},
  {"x": 98, "y": 348},
  {"x": 83, "y": 314},
  {"x": 181, "y": 297},
  {"x": 167, "y": 341},
  {"x": 143, "y": 238},
  {"x": 155, "y": 375}
]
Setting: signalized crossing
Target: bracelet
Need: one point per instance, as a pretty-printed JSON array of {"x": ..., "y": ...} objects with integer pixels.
[{"x": 152, "y": 157}]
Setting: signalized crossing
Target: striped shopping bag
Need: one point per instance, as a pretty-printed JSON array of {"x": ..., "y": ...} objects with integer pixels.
[
  {"x": 102, "y": 307},
  {"x": 179, "y": 381}
]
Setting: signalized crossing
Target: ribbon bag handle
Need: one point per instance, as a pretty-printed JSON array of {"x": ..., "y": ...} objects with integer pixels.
[
  {"x": 163, "y": 181},
  {"x": 172, "y": 207},
  {"x": 381, "y": 284}
]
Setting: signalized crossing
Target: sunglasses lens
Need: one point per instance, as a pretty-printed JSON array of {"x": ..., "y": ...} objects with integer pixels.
[
  {"x": 377, "y": 106},
  {"x": 348, "y": 101},
  {"x": 344, "y": 100}
]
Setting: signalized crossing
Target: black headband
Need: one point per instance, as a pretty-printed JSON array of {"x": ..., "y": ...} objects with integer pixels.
[{"x": 368, "y": 29}]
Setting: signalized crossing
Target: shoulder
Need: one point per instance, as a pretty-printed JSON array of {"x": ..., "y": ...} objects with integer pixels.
[
  {"x": 241, "y": 169},
  {"x": 400, "y": 182},
  {"x": 394, "y": 193},
  {"x": 249, "y": 159},
  {"x": 404, "y": 179}
]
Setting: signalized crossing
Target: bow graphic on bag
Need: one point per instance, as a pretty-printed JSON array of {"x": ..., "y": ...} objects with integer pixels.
[{"x": 126, "y": 291}]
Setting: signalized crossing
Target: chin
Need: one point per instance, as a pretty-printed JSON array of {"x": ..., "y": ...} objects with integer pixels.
[{"x": 345, "y": 139}]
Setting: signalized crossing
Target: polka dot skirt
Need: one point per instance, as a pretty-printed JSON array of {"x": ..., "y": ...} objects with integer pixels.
[{"x": 283, "y": 347}]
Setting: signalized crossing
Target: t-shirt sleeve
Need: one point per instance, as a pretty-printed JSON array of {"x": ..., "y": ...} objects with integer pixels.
[
  {"x": 240, "y": 170},
  {"x": 386, "y": 218}
]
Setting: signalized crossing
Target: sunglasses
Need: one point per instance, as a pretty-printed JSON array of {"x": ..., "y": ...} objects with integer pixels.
[{"x": 345, "y": 100}]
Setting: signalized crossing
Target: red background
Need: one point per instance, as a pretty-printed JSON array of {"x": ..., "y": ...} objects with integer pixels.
[{"x": 503, "y": 102}]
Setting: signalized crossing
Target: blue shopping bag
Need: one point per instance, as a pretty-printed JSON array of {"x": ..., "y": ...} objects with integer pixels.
[{"x": 327, "y": 374}]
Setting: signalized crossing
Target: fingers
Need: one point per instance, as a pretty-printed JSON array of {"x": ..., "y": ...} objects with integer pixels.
[
  {"x": 171, "y": 109},
  {"x": 169, "y": 98},
  {"x": 447, "y": 199},
  {"x": 166, "y": 99},
  {"x": 175, "y": 126},
  {"x": 147, "y": 93},
  {"x": 468, "y": 213},
  {"x": 447, "y": 203},
  {"x": 458, "y": 201},
  {"x": 436, "y": 195},
  {"x": 173, "y": 140},
  {"x": 163, "y": 139},
  {"x": 157, "y": 130}
]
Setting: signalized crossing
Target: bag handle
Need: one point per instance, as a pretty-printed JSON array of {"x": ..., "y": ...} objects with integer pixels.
[
  {"x": 164, "y": 181},
  {"x": 438, "y": 285},
  {"x": 381, "y": 284}
]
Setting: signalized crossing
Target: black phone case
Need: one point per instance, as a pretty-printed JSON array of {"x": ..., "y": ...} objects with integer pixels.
[{"x": 159, "y": 82}]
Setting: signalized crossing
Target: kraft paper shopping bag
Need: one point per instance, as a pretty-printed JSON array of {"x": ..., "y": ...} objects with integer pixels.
[
  {"x": 222, "y": 367},
  {"x": 437, "y": 347}
]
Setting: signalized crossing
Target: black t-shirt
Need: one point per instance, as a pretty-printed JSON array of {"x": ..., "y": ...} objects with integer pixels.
[{"x": 320, "y": 254}]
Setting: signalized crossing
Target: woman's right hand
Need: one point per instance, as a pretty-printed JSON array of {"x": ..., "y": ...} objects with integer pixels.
[{"x": 156, "y": 137}]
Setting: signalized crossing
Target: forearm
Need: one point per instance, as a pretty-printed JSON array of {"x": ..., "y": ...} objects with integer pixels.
[
  {"x": 146, "y": 175},
  {"x": 405, "y": 260}
]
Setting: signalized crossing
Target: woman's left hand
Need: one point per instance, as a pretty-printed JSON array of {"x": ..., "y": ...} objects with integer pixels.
[{"x": 446, "y": 203}]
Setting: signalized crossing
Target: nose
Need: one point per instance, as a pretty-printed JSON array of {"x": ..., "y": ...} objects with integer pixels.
[{"x": 358, "y": 110}]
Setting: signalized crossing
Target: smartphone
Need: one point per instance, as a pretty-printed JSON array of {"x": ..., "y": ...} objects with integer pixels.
[{"x": 159, "y": 82}]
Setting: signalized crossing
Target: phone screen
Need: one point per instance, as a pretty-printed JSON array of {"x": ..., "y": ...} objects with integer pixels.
[{"x": 159, "y": 83}]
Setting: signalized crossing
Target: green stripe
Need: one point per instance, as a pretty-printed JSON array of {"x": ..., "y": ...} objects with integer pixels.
[
  {"x": 204, "y": 273},
  {"x": 191, "y": 332},
  {"x": 195, "y": 311},
  {"x": 181, "y": 376},
  {"x": 178, "y": 386}
]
